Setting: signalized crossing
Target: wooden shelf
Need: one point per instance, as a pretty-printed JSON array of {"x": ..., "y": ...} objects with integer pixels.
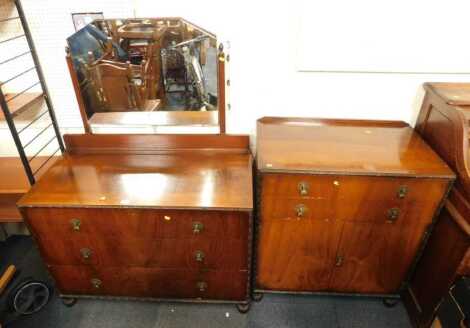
[
  {"x": 21, "y": 103},
  {"x": 13, "y": 185}
]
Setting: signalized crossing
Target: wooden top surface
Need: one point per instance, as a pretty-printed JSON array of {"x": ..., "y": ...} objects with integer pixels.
[
  {"x": 19, "y": 103},
  {"x": 345, "y": 147},
  {"x": 13, "y": 179},
  {"x": 158, "y": 118},
  {"x": 457, "y": 94},
  {"x": 187, "y": 179}
]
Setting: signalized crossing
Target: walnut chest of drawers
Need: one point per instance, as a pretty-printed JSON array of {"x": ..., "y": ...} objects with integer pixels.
[
  {"x": 342, "y": 205},
  {"x": 171, "y": 225}
]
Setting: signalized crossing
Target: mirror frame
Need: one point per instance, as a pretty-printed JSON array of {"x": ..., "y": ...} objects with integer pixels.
[{"x": 221, "y": 82}]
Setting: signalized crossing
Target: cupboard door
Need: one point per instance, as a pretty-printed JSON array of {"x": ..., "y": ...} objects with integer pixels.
[
  {"x": 375, "y": 258},
  {"x": 296, "y": 254}
]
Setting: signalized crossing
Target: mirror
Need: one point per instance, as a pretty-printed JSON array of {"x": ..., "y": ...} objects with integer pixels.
[{"x": 159, "y": 71}]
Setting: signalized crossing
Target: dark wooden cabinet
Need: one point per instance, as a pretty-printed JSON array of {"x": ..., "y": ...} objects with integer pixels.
[
  {"x": 343, "y": 206},
  {"x": 444, "y": 123},
  {"x": 170, "y": 224}
]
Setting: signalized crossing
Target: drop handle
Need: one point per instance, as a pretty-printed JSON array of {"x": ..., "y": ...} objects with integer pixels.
[
  {"x": 303, "y": 188},
  {"x": 199, "y": 256},
  {"x": 86, "y": 253},
  {"x": 96, "y": 283},
  {"x": 339, "y": 260},
  {"x": 393, "y": 214},
  {"x": 198, "y": 227},
  {"x": 202, "y": 286},
  {"x": 301, "y": 210},
  {"x": 76, "y": 223},
  {"x": 402, "y": 191}
]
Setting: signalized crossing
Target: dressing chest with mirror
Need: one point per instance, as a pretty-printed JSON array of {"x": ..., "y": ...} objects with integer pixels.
[
  {"x": 343, "y": 206},
  {"x": 147, "y": 216}
]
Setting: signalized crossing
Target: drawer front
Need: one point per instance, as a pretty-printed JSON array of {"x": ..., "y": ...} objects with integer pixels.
[
  {"x": 175, "y": 239},
  {"x": 201, "y": 224},
  {"x": 138, "y": 223},
  {"x": 201, "y": 254},
  {"x": 67, "y": 222},
  {"x": 155, "y": 283},
  {"x": 355, "y": 189},
  {"x": 346, "y": 198}
]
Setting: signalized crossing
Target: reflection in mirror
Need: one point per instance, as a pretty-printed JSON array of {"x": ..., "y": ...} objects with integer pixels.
[{"x": 146, "y": 65}]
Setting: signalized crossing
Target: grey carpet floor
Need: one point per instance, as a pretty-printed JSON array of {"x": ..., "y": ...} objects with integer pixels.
[{"x": 272, "y": 312}]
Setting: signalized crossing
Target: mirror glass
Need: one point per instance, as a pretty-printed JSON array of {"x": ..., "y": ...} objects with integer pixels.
[{"x": 165, "y": 66}]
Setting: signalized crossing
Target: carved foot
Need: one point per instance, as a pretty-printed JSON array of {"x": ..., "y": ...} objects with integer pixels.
[
  {"x": 257, "y": 297},
  {"x": 243, "y": 307},
  {"x": 390, "y": 302},
  {"x": 69, "y": 301}
]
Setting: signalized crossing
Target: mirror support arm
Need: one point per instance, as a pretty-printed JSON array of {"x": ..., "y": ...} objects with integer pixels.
[
  {"x": 221, "y": 88},
  {"x": 76, "y": 87}
]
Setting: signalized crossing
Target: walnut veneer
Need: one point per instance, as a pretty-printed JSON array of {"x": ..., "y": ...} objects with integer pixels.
[
  {"x": 343, "y": 205},
  {"x": 147, "y": 216}
]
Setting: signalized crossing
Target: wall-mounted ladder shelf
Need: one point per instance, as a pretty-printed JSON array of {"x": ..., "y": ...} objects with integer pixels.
[
  {"x": 15, "y": 104},
  {"x": 26, "y": 109}
]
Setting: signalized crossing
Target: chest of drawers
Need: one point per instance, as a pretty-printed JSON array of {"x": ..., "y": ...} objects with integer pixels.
[
  {"x": 174, "y": 225},
  {"x": 342, "y": 206}
]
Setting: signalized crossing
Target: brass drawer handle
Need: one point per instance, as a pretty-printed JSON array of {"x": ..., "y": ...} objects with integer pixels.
[
  {"x": 198, "y": 227},
  {"x": 75, "y": 224},
  {"x": 96, "y": 283},
  {"x": 303, "y": 188},
  {"x": 339, "y": 260},
  {"x": 199, "y": 256},
  {"x": 202, "y": 286},
  {"x": 393, "y": 214},
  {"x": 301, "y": 210},
  {"x": 86, "y": 253},
  {"x": 402, "y": 191}
]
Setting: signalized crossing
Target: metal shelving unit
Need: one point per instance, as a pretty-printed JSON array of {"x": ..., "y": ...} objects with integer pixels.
[{"x": 14, "y": 105}]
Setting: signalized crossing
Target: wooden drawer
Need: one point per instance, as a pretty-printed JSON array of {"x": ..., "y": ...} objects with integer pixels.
[
  {"x": 204, "y": 224},
  {"x": 230, "y": 254},
  {"x": 134, "y": 237},
  {"x": 375, "y": 199},
  {"x": 150, "y": 282},
  {"x": 333, "y": 209},
  {"x": 137, "y": 223},
  {"x": 109, "y": 222},
  {"x": 352, "y": 189},
  {"x": 194, "y": 253}
]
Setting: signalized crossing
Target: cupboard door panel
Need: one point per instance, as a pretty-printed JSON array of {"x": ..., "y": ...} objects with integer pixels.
[
  {"x": 375, "y": 258},
  {"x": 296, "y": 254}
]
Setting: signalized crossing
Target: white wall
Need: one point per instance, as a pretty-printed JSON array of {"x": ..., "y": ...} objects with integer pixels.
[{"x": 264, "y": 45}]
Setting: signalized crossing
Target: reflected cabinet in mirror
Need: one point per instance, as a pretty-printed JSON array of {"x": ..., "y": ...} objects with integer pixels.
[{"x": 126, "y": 69}]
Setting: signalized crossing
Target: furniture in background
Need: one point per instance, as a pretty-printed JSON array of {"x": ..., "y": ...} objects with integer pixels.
[
  {"x": 454, "y": 309},
  {"x": 147, "y": 216},
  {"x": 444, "y": 123},
  {"x": 343, "y": 206}
]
